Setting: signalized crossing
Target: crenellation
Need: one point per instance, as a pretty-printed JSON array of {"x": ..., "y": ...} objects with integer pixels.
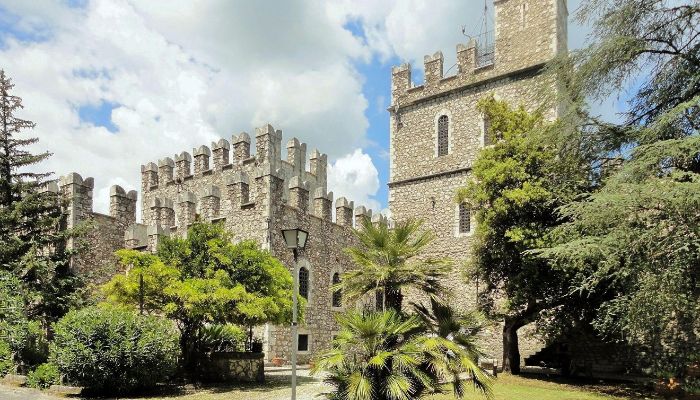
[
  {"x": 221, "y": 150},
  {"x": 343, "y": 212},
  {"x": 122, "y": 205},
  {"x": 299, "y": 194},
  {"x": 296, "y": 156},
  {"x": 268, "y": 145},
  {"x": 211, "y": 203},
  {"x": 135, "y": 236},
  {"x": 149, "y": 177},
  {"x": 318, "y": 166},
  {"x": 433, "y": 68},
  {"x": 238, "y": 188},
  {"x": 183, "y": 163},
  {"x": 241, "y": 147},
  {"x": 466, "y": 57},
  {"x": 187, "y": 210},
  {"x": 361, "y": 213},
  {"x": 155, "y": 234},
  {"x": 323, "y": 204},
  {"x": 78, "y": 193},
  {"x": 166, "y": 167},
  {"x": 201, "y": 159},
  {"x": 378, "y": 218}
]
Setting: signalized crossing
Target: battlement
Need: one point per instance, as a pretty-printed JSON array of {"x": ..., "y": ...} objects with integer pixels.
[{"x": 527, "y": 35}]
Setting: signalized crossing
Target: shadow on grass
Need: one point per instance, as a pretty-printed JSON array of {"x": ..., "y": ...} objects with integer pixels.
[
  {"x": 272, "y": 382},
  {"x": 609, "y": 387}
]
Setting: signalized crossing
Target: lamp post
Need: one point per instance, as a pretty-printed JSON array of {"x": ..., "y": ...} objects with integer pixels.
[{"x": 295, "y": 239}]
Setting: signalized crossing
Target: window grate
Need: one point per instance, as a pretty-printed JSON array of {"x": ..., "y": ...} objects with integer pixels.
[
  {"x": 464, "y": 218},
  {"x": 443, "y": 135},
  {"x": 304, "y": 283},
  {"x": 337, "y": 295}
]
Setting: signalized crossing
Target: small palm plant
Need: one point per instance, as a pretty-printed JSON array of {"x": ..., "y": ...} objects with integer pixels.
[
  {"x": 384, "y": 355},
  {"x": 387, "y": 263}
]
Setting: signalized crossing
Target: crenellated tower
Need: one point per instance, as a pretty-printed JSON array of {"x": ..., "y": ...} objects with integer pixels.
[{"x": 436, "y": 129}]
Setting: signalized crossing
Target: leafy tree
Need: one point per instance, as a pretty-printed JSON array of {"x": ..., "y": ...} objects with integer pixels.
[
  {"x": 384, "y": 355},
  {"x": 388, "y": 263},
  {"x": 517, "y": 185},
  {"x": 636, "y": 236},
  {"x": 205, "y": 279},
  {"x": 32, "y": 233}
]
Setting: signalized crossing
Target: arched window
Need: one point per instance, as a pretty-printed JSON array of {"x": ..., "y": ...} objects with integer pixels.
[
  {"x": 337, "y": 295},
  {"x": 465, "y": 214},
  {"x": 443, "y": 135},
  {"x": 304, "y": 282}
]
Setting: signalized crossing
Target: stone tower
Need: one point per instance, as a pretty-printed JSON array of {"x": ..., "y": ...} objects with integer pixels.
[{"x": 436, "y": 130}]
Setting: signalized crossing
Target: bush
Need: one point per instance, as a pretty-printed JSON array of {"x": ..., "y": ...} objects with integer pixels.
[
  {"x": 6, "y": 363},
  {"x": 44, "y": 376},
  {"x": 115, "y": 349}
]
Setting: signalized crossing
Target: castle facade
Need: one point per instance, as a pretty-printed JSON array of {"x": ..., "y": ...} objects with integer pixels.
[
  {"x": 435, "y": 135},
  {"x": 436, "y": 130}
]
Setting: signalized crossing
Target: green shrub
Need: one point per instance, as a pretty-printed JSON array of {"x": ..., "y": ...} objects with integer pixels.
[
  {"x": 6, "y": 363},
  {"x": 43, "y": 376},
  {"x": 107, "y": 348},
  {"x": 221, "y": 338}
]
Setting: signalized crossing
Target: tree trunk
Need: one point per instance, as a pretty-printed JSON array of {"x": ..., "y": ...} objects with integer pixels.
[{"x": 511, "y": 351}]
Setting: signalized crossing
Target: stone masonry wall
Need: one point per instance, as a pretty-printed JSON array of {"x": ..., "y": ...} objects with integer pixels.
[{"x": 528, "y": 34}]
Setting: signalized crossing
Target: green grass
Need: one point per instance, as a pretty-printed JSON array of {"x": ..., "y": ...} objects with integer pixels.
[{"x": 509, "y": 387}]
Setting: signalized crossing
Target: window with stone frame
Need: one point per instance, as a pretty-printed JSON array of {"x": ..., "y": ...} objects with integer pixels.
[
  {"x": 465, "y": 214},
  {"x": 304, "y": 282},
  {"x": 443, "y": 135},
  {"x": 337, "y": 294},
  {"x": 488, "y": 136},
  {"x": 303, "y": 342}
]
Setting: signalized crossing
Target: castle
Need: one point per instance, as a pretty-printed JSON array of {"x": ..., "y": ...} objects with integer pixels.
[{"x": 435, "y": 134}]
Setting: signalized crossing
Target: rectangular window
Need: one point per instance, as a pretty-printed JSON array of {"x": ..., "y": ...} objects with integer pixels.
[
  {"x": 303, "y": 343},
  {"x": 443, "y": 135},
  {"x": 465, "y": 218}
]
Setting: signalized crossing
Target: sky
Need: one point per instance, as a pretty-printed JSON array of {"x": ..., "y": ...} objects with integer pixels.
[{"x": 114, "y": 84}]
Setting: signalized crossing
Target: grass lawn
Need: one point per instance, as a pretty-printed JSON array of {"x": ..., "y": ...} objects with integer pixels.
[{"x": 509, "y": 387}]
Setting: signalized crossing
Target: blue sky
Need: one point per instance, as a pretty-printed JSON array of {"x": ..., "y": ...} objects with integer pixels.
[{"x": 113, "y": 84}]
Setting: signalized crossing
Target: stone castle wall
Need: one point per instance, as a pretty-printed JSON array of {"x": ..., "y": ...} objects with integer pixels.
[
  {"x": 422, "y": 184},
  {"x": 253, "y": 196}
]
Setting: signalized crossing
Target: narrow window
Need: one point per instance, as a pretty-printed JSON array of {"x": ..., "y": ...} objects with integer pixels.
[
  {"x": 337, "y": 295},
  {"x": 464, "y": 218},
  {"x": 487, "y": 131},
  {"x": 443, "y": 135},
  {"x": 304, "y": 282},
  {"x": 303, "y": 343}
]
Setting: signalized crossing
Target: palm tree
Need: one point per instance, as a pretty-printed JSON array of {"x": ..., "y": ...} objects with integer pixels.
[
  {"x": 384, "y": 355},
  {"x": 388, "y": 264}
]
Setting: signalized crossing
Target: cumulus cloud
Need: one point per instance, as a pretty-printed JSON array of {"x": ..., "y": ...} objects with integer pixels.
[
  {"x": 176, "y": 74},
  {"x": 355, "y": 177}
]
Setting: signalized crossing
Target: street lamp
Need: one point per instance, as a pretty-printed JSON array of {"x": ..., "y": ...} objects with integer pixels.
[{"x": 295, "y": 239}]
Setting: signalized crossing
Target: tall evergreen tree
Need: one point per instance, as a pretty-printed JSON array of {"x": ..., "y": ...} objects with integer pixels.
[
  {"x": 636, "y": 236},
  {"x": 32, "y": 233}
]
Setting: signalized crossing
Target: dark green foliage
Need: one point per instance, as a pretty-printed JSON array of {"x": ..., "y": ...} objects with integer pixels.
[
  {"x": 32, "y": 229},
  {"x": 7, "y": 364},
  {"x": 388, "y": 264},
  {"x": 108, "y": 349},
  {"x": 635, "y": 238},
  {"x": 518, "y": 184},
  {"x": 384, "y": 355},
  {"x": 43, "y": 376},
  {"x": 24, "y": 337}
]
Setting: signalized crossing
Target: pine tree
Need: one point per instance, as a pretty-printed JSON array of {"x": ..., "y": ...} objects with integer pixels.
[
  {"x": 32, "y": 231},
  {"x": 636, "y": 236}
]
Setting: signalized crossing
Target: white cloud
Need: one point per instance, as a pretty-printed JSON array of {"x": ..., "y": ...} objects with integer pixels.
[
  {"x": 180, "y": 76},
  {"x": 355, "y": 177}
]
